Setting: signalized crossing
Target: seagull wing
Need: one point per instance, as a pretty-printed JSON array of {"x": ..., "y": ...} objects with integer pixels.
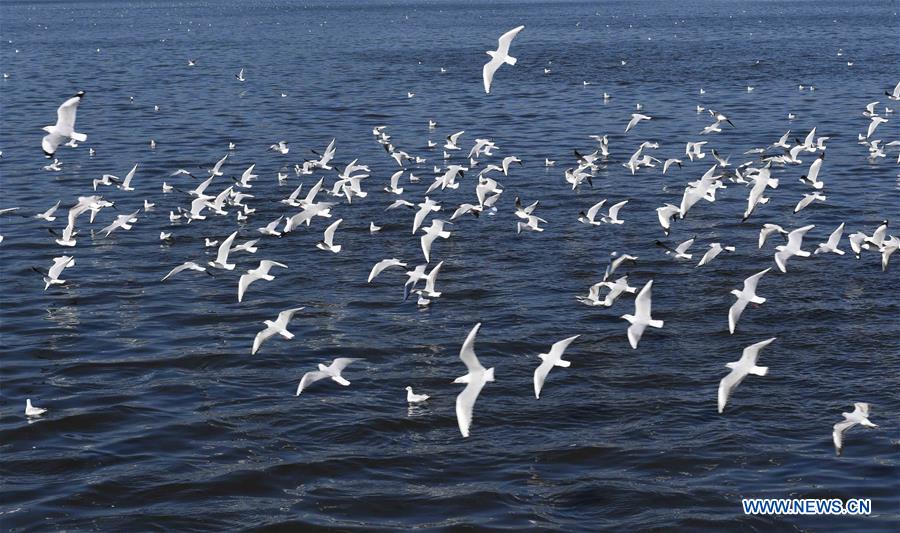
[
  {"x": 310, "y": 378},
  {"x": 467, "y": 354},
  {"x": 50, "y": 142},
  {"x": 244, "y": 282},
  {"x": 728, "y": 383},
  {"x": 225, "y": 248},
  {"x": 465, "y": 404},
  {"x": 837, "y": 435},
  {"x": 592, "y": 212},
  {"x": 339, "y": 364},
  {"x": 506, "y": 39},
  {"x": 614, "y": 210},
  {"x": 262, "y": 337},
  {"x": 540, "y": 374},
  {"x": 329, "y": 231},
  {"x": 285, "y": 316},
  {"x": 487, "y": 73},
  {"x": 65, "y": 115},
  {"x": 642, "y": 303},
  {"x": 558, "y": 348},
  {"x": 734, "y": 313}
]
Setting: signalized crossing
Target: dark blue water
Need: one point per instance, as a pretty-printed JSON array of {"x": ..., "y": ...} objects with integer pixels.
[{"x": 159, "y": 417}]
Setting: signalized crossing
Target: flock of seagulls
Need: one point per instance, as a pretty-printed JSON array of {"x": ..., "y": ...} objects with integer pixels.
[{"x": 451, "y": 170}]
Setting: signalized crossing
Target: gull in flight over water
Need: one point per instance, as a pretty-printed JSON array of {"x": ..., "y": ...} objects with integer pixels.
[
  {"x": 641, "y": 318},
  {"x": 548, "y": 361},
  {"x": 190, "y": 265},
  {"x": 831, "y": 245},
  {"x": 381, "y": 265},
  {"x": 859, "y": 416},
  {"x": 279, "y": 327},
  {"x": 260, "y": 272},
  {"x": 745, "y": 296},
  {"x": 328, "y": 240},
  {"x": 64, "y": 127},
  {"x": 475, "y": 379},
  {"x": 792, "y": 248},
  {"x": 332, "y": 371},
  {"x": 741, "y": 369},
  {"x": 221, "y": 260},
  {"x": 499, "y": 57}
]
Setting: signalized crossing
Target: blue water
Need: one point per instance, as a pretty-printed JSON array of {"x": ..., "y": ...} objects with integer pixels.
[{"x": 159, "y": 417}]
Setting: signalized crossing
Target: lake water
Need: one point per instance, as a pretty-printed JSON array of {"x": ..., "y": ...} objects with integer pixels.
[{"x": 159, "y": 417}]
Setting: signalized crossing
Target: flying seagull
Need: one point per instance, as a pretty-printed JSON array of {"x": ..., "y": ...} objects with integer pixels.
[
  {"x": 641, "y": 318},
  {"x": 474, "y": 380},
  {"x": 333, "y": 371},
  {"x": 279, "y": 327},
  {"x": 745, "y": 296},
  {"x": 499, "y": 57},
  {"x": 792, "y": 248},
  {"x": 859, "y": 416},
  {"x": 64, "y": 127},
  {"x": 740, "y": 369},
  {"x": 548, "y": 361},
  {"x": 260, "y": 272}
]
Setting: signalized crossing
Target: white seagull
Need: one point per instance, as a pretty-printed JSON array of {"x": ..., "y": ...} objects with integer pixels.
[
  {"x": 32, "y": 411},
  {"x": 499, "y": 57},
  {"x": 741, "y": 369},
  {"x": 328, "y": 240},
  {"x": 548, "y": 361},
  {"x": 383, "y": 264},
  {"x": 333, "y": 371},
  {"x": 64, "y": 127},
  {"x": 221, "y": 260},
  {"x": 832, "y": 244},
  {"x": 792, "y": 248},
  {"x": 279, "y": 327},
  {"x": 412, "y": 397},
  {"x": 859, "y": 416},
  {"x": 641, "y": 318},
  {"x": 260, "y": 272},
  {"x": 745, "y": 296},
  {"x": 475, "y": 379}
]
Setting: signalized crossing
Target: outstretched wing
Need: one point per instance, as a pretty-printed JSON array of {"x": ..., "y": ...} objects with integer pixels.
[{"x": 467, "y": 354}]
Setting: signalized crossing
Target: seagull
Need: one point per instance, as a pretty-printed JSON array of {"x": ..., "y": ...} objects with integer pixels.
[
  {"x": 760, "y": 181},
  {"x": 612, "y": 216},
  {"x": 832, "y": 244},
  {"x": 665, "y": 214},
  {"x": 875, "y": 121},
  {"x": 588, "y": 218},
  {"x": 475, "y": 379},
  {"x": 615, "y": 263},
  {"x": 792, "y": 248},
  {"x": 812, "y": 177},
  {"x": 895, "y": 95},
  {"x": 431, "y": 233},
  {"x": 394, "y": 187},
  {"x": 670, "y": 162},
  {"x": 641, "y": 318},
  {"x": 240, "y": 76},
  {"x": 430, "y": 280},
  {"x": 452, "y": 140},
  {"x": 859, "y": 416},
  {"x": 270, "y": 230},
  {"x": 64, "y": 127},
  {"x": 767, "y": 230},
  {"x": 499, "y": 57},
  {"x": 740, "y": 369},
  {"x": 635, "y": 119},
  {"x": 126, "y": 183},
  {"x": 279, "y": 327},
  {"x": 32, "y": 411},
  {"x": 680, "y": 251},
  {"x": 190, "y": 265},
  {"x": 714, "y": 250},
  {"x": 383, "y": 264},
  {"x": 333, "y": 371},
  {"x": 56, "y": 270},
  {"x": 281, "y": 147},
  {"x": 373, "y": 228},
  {"x": 328, "y": 241},
  {"x": 808, "y": 199},
  {"x": 48, "y": 214},
  {"x": 745, "y": 296},
  {"x": 412, "y": 397},
  {"x": 260, "y": 272},
  {"x": 548, "y": 361},
  {"x": 222, "y": 256},
  {"x": 122, "y": 221}
]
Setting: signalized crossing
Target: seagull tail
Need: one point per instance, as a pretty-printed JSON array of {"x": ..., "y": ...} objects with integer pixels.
[
  {"x": 759, "y": 370},
  {"x": 510, "y": 60},
  {"x": 80, "y": 137},
  {"x": 758, "y": 300},
  {"x": 489, "y": 374},
  {"x": 563, "y": 363},
  {"x": 655, "y": 323}
]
